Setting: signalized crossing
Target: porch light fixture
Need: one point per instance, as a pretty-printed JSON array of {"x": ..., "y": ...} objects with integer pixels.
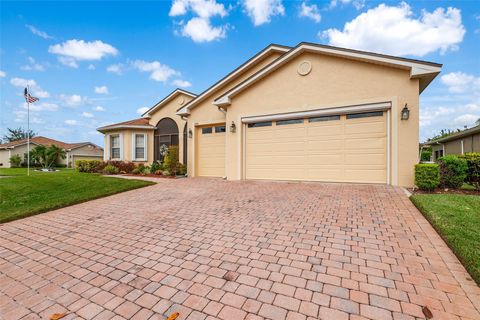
[
  {"x": 233, "y": 127},
  {"x": 405, "y": 112},
  {"x": 190, "y": 133}
]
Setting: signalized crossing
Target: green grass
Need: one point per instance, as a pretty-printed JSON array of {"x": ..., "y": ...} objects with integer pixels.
[
  {"x": 22, "y": 196},
  {"x": 457, "y": 219}
]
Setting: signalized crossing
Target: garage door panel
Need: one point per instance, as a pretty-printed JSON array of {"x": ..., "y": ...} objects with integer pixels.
[
  {"x": 338, "y": 150},
  {"x": 210, "y": 155}
]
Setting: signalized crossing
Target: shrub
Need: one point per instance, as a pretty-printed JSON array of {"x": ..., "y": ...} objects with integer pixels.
[
  {"x": 122, "y": 166},
  {"x": 453, "y": 171},
  {"x": 426, "y": 155},
  {"x": 155, "y": 166},
  {"x": 427, "y": 176},
  {"x": 15, "y": 160},
  {"x": 473, "y": 168},
  {"x": 89, "y": 166},
  {"x": 136, "y": 171},
  {"x": 158, "y": 172},
  {"x": 182, "y": 170},
  {"x": 111, "y": 169},
  {"x": 171, "y": 162},
  {"x": 141, "y": 168}
]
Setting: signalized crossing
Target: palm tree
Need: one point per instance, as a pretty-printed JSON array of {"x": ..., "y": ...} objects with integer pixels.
[
  {"x": 37, "y": 154},
  {"x": 53, "y": 153}
]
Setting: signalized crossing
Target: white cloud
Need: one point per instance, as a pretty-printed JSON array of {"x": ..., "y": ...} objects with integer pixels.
[
  {"x": 73, "y": 100},
  {"x": 35, "y": 89},
  {"x": 71, "y": 122},
  {"x": 41, "y": 106},
  {"x": 310, "y": 11},
  {"x": 467, "y": 119},
  {"x": 262, "y": 11},
  {"x": 101, "y": 90},
  {"x": 87, "y": 114},
  {"x": 181, "y": 83},
  {"x": 32, "y": 65},
  {"x": 72, "y": 51},
  {"x": 460, "y": 82},
  {"x": 2, "y": 74},
  {"x": 395, "y": 30},
  {"x": 158, "y": 71},
  {"x": 199, "y": 28},
  {"x": 99, "y": 109},
  {"x": 91, "y": 67},
  {"x": 21, "y": 116},
  {"x": 115, "y": 68},
  {"x": 142, "y": 110},
  {"x": 358, "y": 4},
  {"x": 39, "y": 33}
]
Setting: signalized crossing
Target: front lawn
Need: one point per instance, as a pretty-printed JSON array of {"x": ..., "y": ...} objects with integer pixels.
[
  {"x": 457, "y": 219},
  {"x": 22, "y": 196}
]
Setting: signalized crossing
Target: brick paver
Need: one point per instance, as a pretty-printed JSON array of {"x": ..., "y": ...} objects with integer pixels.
[{"x": 212, "y": 249}]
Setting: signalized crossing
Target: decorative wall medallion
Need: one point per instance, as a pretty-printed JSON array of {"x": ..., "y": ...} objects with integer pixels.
[
  {"x": 181, "y": 100},
  {"x": 304, "y": 68}
]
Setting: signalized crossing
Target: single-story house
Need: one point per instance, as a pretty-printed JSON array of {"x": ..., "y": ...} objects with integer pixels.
[
  {"x": 310, "y": 113},
  {"x": 462, "y": 142},
  {"x": 74, "y": 151}
]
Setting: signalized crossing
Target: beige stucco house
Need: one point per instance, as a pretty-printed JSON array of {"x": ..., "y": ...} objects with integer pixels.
[
  {"x": 459, "y": 143},
  {"x": 73, "y": 151},
  {"x": 307, "y": 113}
]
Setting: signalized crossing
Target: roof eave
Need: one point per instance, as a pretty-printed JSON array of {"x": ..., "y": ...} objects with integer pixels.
[{"x": 112, "y": 128}]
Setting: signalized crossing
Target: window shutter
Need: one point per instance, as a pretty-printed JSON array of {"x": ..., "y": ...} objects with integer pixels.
[
  {"x": 121, "y": 145},
  {"x": 106, "y": 151},
  {"x": 145, "y": 146}
]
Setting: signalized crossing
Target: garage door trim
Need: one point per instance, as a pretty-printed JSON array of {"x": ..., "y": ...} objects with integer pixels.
[{"x": 381, "y": 106}]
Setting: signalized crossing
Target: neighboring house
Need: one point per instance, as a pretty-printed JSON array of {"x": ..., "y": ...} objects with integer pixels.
[
  {"x": 74, "y": 151},
  {"x": 308, "y": 113},
  {"x": 457, "y": 143}
]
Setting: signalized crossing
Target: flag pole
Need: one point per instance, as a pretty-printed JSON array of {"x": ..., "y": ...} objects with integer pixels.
[{"x": 28, "y": 132}]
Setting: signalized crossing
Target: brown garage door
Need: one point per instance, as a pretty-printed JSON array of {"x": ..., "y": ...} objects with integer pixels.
[{"x": 337, "y": 148}]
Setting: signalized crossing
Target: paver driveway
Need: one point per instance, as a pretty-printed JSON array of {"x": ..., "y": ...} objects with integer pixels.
[{"x": 233, "y": 250}]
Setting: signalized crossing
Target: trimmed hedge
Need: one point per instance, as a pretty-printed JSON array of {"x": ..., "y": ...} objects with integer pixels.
[
  {"x": 453, "y": 171},
  {"x": 427, "y": 176},
  {"x": 473, "y": 168},
  {"x": 89, "y": 166}
]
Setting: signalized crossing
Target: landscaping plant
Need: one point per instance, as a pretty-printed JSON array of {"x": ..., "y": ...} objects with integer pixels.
[
  {"x": 89, "y": 166},
  {"x": 453, "y": 171},
  {"x": 171, "y": 162},
  {"x": 427, "y": 176},
  {"x": 473, "y": 169},
  {"x": 47, "y": 156},
  {"x": 111, "y": 169},
  {"x": 15, "y": 161}
]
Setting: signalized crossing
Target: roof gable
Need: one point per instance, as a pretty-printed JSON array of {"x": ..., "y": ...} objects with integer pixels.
[
  {"x": 140, "y": 123},
  {"x": 185, "y": 110},
  {"x": 44, "y": 141},
  {"x": 425, "y": 71},
  {"x": 165, "y": 100}
]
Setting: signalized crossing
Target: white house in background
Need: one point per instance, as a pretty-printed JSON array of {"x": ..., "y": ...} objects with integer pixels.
[{"x": 74, "y": 151}]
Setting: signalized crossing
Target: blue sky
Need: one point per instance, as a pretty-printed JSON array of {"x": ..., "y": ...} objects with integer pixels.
[{"x": 94, "y": 63}]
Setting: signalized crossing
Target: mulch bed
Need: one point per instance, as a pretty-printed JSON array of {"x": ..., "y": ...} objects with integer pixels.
[
  {"x": 151, "y": 175},
  {"x": 445, "y": 191}
]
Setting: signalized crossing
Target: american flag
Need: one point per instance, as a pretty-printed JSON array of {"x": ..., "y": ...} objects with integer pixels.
[{"x": 28, "y": 97}]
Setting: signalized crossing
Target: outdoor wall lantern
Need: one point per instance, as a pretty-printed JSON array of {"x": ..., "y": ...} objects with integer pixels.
[
  {"x": 405, "y": 112},
  {"x": 190, "y": 133},
  {"x": 233, "y": 127}
]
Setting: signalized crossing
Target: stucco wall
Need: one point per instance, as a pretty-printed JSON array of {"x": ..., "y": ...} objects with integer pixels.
[
  {"x": 4, "y": 159},
  {"x": 471, "y": 143},
  {"x": 20, "y": 150},
  {"x": 332, "y": 82},
  {"x": 88, "y": 150},
  {"x": 169, "y": 110},
  {"x": 207, "y": 113},
  {"x": 126, "y": 151}
]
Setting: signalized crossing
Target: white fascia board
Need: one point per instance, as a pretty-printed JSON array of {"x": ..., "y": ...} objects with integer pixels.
[
  {"x": 125, "y": 127},
  {"x": 418, "y": 69},
  {"x": 147, "y": 114},
  {"x": 186, "y": 110},
  {"x": 381, "y": 106}
]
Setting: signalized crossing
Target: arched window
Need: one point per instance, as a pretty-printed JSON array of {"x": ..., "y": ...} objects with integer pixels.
[{"x": 165, "y": 134}]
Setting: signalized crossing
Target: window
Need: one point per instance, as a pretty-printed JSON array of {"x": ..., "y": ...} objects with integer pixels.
[
  {"x": 260, "y": 124},
  {"x": 365, "y": 115},
  {"x": 139, "y": 146},
  {"x": 219, "y": 129},
  {"x": 115, "y": 147},
  {"x": 207, "y": 130},
  {"x": 324, "y": 118},
  {"x": 291, "y": 121}
]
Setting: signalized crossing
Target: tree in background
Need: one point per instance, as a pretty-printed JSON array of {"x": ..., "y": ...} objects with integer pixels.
[
  {"x": 17, "y": 134},
  {"x": 47, "y": 156}
]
